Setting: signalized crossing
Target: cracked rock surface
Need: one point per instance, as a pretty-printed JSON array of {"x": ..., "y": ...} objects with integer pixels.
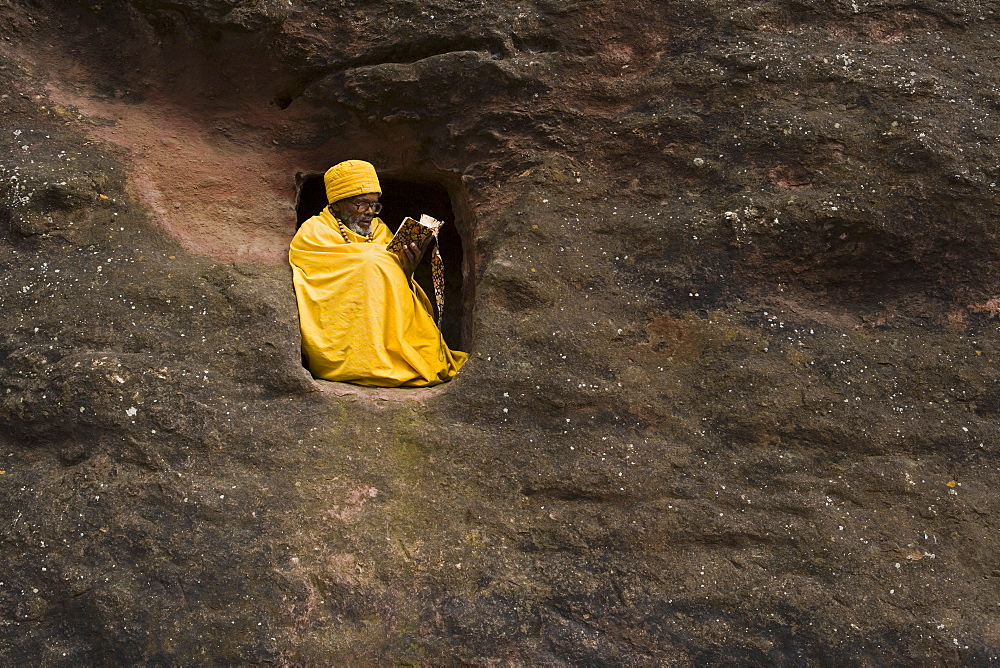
[{"x": 730, "y": 295}]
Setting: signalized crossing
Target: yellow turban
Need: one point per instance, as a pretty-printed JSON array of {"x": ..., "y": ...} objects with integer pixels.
[{"x": 350, "y": 178}]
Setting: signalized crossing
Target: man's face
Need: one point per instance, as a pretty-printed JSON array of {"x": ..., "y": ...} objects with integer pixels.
[{"x": 356, "y": 211}]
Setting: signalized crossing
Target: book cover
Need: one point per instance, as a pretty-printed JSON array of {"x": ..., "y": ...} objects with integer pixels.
[
  {"x": 414, "y": 231},
  {"x": 421, "y": 232}
]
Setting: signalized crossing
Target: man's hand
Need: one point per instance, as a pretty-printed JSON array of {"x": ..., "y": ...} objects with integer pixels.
[{"x": 409, "y": 257}]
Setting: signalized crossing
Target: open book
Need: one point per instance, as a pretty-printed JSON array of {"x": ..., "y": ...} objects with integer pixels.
[
  {"x": 414, "y": 231},
  {"x": 421, "y": 232}
]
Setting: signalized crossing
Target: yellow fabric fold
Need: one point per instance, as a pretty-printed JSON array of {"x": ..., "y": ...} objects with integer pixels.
[{"x": 362, "y": 320}]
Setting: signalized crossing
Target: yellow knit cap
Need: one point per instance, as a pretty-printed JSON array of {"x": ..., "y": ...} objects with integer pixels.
[{"x": 350, "y": 178}]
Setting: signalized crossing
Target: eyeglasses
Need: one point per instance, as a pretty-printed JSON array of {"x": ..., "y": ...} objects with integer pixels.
[{"x": 375, "y": 207}]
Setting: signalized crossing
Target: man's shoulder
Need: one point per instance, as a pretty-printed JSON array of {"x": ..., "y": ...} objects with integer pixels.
[
  {"x": 314, "y": 230},
  {"x": 380, "y": 232},
  {"x": 313, "y": 220}
]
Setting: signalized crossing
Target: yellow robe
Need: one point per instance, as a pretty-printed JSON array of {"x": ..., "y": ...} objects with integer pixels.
[{"x": 362, "y": 320}]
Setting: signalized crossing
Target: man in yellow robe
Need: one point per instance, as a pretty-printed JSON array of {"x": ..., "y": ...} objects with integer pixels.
[{"x": 363, "y": 318}]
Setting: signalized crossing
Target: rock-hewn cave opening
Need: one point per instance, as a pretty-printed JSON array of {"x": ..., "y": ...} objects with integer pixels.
[{"x": 413, "y": 195}]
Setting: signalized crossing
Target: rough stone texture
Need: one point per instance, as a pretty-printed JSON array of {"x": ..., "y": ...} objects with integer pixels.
[{"x": 734, "y": 388}]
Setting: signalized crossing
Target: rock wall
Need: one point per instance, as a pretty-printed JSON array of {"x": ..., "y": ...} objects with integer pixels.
[{"x": 731, "y": 296}]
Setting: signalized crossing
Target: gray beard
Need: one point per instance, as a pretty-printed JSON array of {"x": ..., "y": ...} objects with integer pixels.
[{"x": 356, "y": 227}]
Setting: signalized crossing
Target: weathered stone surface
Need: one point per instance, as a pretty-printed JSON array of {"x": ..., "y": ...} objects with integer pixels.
[{"x": 733, "y": 395}]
